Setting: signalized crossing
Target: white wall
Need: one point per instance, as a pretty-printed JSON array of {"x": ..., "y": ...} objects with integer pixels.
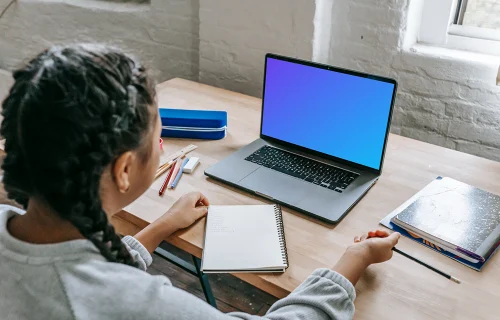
[
  {"x": 236, "y": 34},
  {"x": 219, "y": 42},
  {"x": 5, "y": 83},
  {"x": 445, "y": 98},
  {"x": 164, "y": 34}
]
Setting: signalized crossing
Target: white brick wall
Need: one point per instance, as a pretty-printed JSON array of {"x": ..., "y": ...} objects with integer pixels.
[
  {"x": 5, "y": 83},
  {"x": 164, "y": 33},
  {"x": 442, "y": 99},
  {"x": 236, "y": 34}
]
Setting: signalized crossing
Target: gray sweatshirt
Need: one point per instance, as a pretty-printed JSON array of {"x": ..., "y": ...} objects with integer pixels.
[{"x": 71, "y": 280}]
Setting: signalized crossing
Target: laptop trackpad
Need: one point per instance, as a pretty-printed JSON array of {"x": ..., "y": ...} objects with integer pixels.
[{"x": 275, "y": 184}]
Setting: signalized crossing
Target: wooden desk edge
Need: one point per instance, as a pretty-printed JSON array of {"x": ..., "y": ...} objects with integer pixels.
[{"x": 126, "y": 227}]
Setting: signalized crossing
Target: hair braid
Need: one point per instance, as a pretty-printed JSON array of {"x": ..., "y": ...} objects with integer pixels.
[{"x": 70, "y": 113}]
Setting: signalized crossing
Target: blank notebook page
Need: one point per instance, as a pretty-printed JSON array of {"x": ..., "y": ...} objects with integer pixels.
[{"x": 242, "y": 238}]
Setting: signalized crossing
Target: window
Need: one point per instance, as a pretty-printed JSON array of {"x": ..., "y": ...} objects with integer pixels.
[
  {"x": 478, "y": 13},
  {"x": 472, "y": 25}
]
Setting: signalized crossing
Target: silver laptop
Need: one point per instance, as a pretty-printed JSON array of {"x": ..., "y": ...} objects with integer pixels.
[{"x": 322, "y": 138}]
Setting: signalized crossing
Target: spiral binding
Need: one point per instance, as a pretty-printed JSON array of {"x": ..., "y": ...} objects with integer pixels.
[{"x": 281, "y": 233}]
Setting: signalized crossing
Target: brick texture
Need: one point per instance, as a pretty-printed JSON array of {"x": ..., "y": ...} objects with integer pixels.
[
  {"x": 5, "y": 83},
  {"x": 164, "y": 34},
  {"x": 441, "y": 99},
  {"x": 236, "y": 34}
]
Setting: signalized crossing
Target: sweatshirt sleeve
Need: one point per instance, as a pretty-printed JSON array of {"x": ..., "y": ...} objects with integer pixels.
[
  {"x": 324, "y": 295},
  {"x": 138, "y": 252}
]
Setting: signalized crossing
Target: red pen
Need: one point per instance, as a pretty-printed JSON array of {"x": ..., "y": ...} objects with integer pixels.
[{"x": 164, "y": 185}]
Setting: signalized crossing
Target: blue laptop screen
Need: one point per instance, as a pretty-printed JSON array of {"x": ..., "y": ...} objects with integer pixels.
[{"x": 334, "y": 113}]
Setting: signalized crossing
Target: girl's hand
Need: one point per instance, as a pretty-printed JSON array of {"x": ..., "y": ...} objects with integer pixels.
[
  {"x": 182, "y": 214},
  {"x": 376, "y": 246},
  {"x": 187, "y": 210},
  {"x": 372, "y": 247}
]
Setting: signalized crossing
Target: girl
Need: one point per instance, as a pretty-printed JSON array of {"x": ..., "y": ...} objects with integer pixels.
[{"x": 81, "y": 128}]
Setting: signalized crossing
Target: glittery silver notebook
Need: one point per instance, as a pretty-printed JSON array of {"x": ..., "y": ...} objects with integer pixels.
[{"x": 455, "y": 215}]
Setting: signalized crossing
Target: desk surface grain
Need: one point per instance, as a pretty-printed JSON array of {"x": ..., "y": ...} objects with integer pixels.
[{"x": 397, "y": 289}]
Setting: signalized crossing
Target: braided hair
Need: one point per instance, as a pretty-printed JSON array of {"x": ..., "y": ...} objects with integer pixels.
[{"x": 72, "y": 111}]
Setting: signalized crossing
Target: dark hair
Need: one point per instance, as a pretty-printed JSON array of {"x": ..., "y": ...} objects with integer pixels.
[{"x": 71, "y": 112}]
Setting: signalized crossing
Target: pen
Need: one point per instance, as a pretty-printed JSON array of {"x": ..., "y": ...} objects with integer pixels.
[
  {"x": 447, "y": 276},
  {"x": 164, "y": 185},
  {"x": 179, "y": 174}
]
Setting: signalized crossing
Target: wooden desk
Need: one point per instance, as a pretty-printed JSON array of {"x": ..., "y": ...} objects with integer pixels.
[{"x": 398, "y": 289}]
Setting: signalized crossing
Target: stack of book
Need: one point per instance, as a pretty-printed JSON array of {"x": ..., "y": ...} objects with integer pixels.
[{"x": 453, "y": 218}]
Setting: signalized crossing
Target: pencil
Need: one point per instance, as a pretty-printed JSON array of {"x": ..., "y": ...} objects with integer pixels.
[
  {"x": 163, "y": 168},
  {"x": 447, "y": 276},
  {"x": 164, "y": 185},
  {"x": 163, "y": 165}
]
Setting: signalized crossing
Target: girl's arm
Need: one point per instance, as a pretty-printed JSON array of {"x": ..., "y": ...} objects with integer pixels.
[
  {"x": 183, "y": 213},
  {"x": 151, "y": 236},
  {"x": 372, "y": 247},
  {"x": 325, "y": 294}
]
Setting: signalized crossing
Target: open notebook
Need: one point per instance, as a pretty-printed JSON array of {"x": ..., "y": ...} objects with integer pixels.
[{"x": 244, "y": 239}]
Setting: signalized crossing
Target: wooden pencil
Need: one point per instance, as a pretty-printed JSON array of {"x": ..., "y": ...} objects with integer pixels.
[
  {"x": 163, "y": 169},
  {"x": 164, "y": 165},
  {"x": 178, "y": 154},
  {"x": 447, "y": 276}
]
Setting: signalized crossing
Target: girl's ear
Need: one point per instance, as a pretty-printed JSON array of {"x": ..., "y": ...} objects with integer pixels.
[{"x": 121, "y": 171}]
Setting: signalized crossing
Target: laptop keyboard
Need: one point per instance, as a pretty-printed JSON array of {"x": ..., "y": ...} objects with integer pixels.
[{"x": 316, "y": 172}]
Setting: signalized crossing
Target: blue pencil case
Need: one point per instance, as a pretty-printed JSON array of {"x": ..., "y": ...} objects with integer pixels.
[{"x": 193, "y": 124}]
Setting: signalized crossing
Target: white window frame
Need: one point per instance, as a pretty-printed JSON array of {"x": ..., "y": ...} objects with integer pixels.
[{"x": 437, "y": 28}]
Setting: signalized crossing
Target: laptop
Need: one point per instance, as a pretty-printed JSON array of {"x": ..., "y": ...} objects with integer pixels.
[{"x": 322, "y": 140}]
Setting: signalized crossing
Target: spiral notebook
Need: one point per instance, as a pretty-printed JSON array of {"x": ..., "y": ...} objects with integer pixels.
[{"x": 244, "y": 239}]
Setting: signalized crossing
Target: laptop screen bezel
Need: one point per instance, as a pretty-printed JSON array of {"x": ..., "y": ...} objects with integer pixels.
[{"x": 334, "y": 69}]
